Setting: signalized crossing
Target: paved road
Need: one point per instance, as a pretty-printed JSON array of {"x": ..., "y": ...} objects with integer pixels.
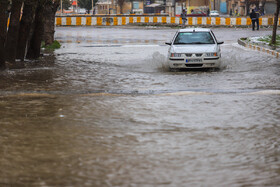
[{"x": 106, "y": 111}]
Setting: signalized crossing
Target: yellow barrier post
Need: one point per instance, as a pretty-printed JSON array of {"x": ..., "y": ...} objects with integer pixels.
[
  {"x": 99, "y": 21},
  {"x": 227, "y": 21},
  {"x": 130, "y": 19},
  {"x": 218, "y": 21},
  {"x": 238, "y": 21},
  {"x": 163, "y": 19},
  {"x": 146, "y": 19},
  {"x": 88, "y": 22},
  {"x": 155, "y": 20},
  {"x": 199, "y": 20},
  {"x": 172, "y": 19},
  {"x": 68, "y": 21},
  {"x": 115, "y": 21},
  {"x": 249, "y": 21},
  {"x": 190, "y": 21},
  {"x": 123, "y": 20},
  {"x": 208, "y": 21},
  {"x": 58, "y": 21},
  {"x": 78, "y": 21}
]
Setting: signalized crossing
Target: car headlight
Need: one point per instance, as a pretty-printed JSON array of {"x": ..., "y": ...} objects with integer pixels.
[
  {"x": 211, "y": 54},
  {"x": 175, "y": 55}
]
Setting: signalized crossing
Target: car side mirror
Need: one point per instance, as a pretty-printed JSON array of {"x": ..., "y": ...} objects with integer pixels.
[
  {"x": 220, "y": 42},
  {"x": 168, "y": 43}
]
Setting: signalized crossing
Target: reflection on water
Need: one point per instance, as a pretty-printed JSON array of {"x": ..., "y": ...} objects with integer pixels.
[{"x": 86, "y": 118}]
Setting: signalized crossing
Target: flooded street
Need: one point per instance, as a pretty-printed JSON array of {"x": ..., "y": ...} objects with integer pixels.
[{"x": 105, "y": 110}]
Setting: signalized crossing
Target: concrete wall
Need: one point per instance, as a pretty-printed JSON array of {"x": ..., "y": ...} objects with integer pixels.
[{"x": 125, "y": 20}]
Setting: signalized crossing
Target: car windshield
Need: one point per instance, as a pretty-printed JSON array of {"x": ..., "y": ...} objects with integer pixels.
[{"x": 194, "y": 38}]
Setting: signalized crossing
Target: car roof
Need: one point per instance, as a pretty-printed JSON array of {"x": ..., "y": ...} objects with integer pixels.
[{"x": 195, "y": 30}]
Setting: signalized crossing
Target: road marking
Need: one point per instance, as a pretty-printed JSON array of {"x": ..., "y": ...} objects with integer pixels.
[
  {"x": 141, "y": 93},
  {"x": 265, "y": 92}
]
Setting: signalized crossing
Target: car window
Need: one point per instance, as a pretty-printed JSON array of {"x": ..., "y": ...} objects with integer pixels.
[{"x": 194, "y": 38}]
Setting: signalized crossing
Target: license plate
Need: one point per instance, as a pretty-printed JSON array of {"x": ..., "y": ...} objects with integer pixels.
[{"x": 193, "y": 60}]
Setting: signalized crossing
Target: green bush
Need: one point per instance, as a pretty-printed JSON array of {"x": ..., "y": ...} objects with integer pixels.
[{"x": 55, "y": 45}]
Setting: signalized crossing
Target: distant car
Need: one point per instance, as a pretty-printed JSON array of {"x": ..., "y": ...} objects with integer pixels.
[
  {"x": 214, "y": 13},
  {"x": 193, "y": 48},
  {"x": 197, "y": 13}
]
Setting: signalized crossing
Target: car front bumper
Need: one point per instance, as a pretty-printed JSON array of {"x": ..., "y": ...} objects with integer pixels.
[{"x": 182, "y": 63}]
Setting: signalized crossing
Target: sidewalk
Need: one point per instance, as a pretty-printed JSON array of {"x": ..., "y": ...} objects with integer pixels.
[{"x": 259, "y": 46}]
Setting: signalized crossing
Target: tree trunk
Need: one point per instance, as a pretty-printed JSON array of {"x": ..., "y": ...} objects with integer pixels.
[
  {"x": 50, "y": 10},
  {"x": 34, "y": 48},
  {"x": 25, "y": 27},
  {"x": 3, "y": 30},
  {"x": 273, "y": 40},
  {"x": 262, "y": 7},
  {"x": 12, "y": 36}
]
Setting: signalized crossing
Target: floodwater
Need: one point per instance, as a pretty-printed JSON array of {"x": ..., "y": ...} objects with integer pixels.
[{"x": 104, "y": 110}]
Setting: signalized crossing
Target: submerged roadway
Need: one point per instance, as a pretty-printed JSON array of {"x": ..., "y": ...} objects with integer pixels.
[{"x": 106, "y": 111}]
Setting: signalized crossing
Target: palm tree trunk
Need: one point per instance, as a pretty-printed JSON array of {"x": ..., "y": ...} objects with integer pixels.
[
  {"x": 3, "y": 30},
  {"x": 273, "y": 40},
  {"x": 50, "y": 10},
  {"x": 25, "y": 27},
  {"x": 12, "y": 36},
  {"x": 34, "y": 48}
]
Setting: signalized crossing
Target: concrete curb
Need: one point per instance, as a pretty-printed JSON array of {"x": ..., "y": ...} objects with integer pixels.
[{"x": 258, "y": 48}]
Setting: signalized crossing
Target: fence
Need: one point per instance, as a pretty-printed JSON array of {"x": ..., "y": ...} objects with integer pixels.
[{"x": 125, "y": 20}]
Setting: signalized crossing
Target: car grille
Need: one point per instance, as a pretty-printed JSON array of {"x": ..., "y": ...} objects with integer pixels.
[{"x": 196, "y": 54}]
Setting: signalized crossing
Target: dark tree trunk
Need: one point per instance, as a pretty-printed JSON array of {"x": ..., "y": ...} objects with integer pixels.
[
  {"x": 262, "y": 7},
  {"x": 50, "y": 10},
  {"x": 12, "y": 36},
  {"x": 34, "y": 48},
  {"x": 273, "y": 40},
  {"x": 3, "y": 30},
  {"x": 247, "y": 3},
  {"x": 25, "y": 27},
  {"x": 121, "y": 3}
]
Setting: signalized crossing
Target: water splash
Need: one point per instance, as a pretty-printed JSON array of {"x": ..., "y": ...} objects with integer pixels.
[{"x": 158, "y": 62}]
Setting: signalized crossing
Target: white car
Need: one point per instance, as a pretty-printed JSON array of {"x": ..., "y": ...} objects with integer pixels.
[
  {"x": 214, "y": 13},
  {"x": 193, "y": 48}
]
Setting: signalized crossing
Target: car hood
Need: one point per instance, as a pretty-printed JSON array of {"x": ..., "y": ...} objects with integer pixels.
[{"x": 205, "y": 48}]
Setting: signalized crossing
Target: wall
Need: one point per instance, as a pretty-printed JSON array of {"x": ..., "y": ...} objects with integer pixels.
[{"x": 125, "y": 20}]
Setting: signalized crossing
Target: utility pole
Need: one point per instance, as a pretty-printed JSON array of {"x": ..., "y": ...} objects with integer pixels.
[
  {"x": 61, "y": 9},
  {"x": 92, "y": 6},
  {"x": 174, "y": 7}
]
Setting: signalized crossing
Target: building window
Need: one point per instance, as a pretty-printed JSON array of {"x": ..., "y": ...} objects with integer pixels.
[{"x": 135, "y": 5}]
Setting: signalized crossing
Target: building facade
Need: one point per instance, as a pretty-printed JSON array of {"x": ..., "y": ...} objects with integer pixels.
[
  {"x": 175, "y": 7},
  {"x": 244, "y": 7}
]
